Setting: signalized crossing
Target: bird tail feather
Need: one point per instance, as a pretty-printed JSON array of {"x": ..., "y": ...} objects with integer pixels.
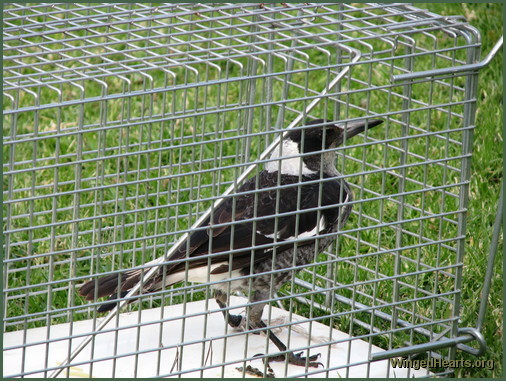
[{"x": 116, "y": 286}]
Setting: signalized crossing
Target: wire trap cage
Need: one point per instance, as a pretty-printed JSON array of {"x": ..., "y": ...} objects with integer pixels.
[{"x": 125, "y": 123}]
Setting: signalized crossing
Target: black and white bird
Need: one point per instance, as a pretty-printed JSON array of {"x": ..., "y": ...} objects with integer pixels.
[{"x": 269, "y": 215}]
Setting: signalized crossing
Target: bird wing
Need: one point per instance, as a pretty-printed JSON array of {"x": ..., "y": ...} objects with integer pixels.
[
  {"x": 238, "y": 232},
  {"x": 237, "y": 241}
]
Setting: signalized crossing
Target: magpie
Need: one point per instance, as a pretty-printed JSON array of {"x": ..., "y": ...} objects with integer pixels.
[{"x": 248, "y": 244}]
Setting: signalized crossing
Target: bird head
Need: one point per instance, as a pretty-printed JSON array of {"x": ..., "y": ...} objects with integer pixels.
[{"x": 315, "y": 136}]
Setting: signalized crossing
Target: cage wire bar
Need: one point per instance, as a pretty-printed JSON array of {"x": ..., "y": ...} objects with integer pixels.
[{"x": 125, "y": 125}]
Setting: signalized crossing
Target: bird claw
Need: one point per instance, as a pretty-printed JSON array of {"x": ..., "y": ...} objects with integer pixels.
[
  {"x": 297, "y": 359},
  {"x": 294, "y": 359}
]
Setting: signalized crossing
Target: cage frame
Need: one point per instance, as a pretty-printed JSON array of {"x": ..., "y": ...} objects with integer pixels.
[{"x": 462, "y": 335}]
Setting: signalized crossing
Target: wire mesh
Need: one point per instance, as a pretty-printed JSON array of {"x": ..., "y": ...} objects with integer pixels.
[{"x": 124, "y": 123}]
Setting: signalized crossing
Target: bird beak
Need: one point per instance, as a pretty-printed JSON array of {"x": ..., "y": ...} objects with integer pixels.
[{"x": 355, "y": 128}]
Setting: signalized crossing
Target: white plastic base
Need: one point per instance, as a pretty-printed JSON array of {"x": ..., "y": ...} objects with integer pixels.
[{"x": 200, "y": 349}]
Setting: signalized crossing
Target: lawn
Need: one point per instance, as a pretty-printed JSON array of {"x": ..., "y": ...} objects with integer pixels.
[{"x": 486, "y": 179}]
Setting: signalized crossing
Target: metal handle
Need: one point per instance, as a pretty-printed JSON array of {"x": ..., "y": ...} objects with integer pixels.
[
  {"x": 465, "y": 335},
  {"x": 451, "y": 70}
]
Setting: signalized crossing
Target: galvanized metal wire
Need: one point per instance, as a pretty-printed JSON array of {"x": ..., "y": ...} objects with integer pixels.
[{"x": 125, "y": 125}]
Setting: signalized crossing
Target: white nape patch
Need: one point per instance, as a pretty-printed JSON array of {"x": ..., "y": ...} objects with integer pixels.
[
  {"x": 202, "y": 274},
  {"x": 291, "y": 166}
]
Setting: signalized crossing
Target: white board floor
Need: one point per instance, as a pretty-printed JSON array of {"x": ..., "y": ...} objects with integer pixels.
[{"x": 194, "y": 354}]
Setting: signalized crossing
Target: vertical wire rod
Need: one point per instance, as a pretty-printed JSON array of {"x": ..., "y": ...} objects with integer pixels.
[{"x": 491, "y": 262}]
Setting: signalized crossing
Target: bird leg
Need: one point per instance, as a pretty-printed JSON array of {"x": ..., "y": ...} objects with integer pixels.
[
  {"x": 293, "y": 358},
  {"x": 233, "y": 320},
  {"x": 255, "y": 322}
]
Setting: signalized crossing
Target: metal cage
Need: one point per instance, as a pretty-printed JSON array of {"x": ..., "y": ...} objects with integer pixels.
[{"x": 125, "y": 123}]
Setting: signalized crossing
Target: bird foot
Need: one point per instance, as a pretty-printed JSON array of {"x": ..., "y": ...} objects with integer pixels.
[{"x": 295, "y": 359}]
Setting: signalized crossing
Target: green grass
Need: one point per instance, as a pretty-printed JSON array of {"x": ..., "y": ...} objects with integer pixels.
[
  {"x": 151, "y": 176},
  {"x": 486, "y": 177}
]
